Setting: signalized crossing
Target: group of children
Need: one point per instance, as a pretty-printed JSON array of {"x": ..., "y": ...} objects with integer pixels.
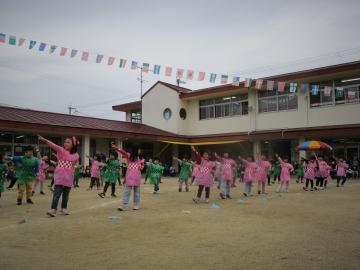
[{"x": 204, "y": 172}]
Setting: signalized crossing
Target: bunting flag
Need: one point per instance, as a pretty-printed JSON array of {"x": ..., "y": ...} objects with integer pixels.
[
  {"x": 21, "y": 42},
  {"x": 327, "y": 91},
  {"x": 212, "y": 77},
  {"x": 99, "y": 58},
  {"x": 156, "y": 69},
  {"x": 122, "y": 63},
  {"x": 339, "y": 92},
  {"x": 201, "y": 76},
  {"x": 42, "y": 46},
  {"x": 73, "y": 53},
  {"x": 236, "y": 81},
  {"x": 53, "y": 48},
  {"x": 110, "y": 60},
  {"x": 293, "y": 87},
  {"x": 304, "y": 88},
  {"x": 270, "y": 85},
  {"x": 258, "y": 83},
  {"x": 12, "y": 40},
  {"x": 32, "y": 44},
  {"x": 2, "y": 38},
  {"x": 145, "y": 67},
  {"x": 179, "y": 73},
  {"x": 224, "y": 79},
  {"x": 351, "y": 94},
  {"x": 281, "y": 86},
  {"x": 85, "y": 56},
  {"x": 190, "y": 75},
  {"x": 248, "y": 82},
  {"x": 315, "y": 90},
  {"x": 63, "y": 51},
  {"x": 168, "y": 71},
  {"x": 134, "y": 65}
]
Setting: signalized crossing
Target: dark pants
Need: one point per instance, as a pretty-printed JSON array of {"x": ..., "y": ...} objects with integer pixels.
[
  {"x": 309, "y": 181},
  {"x": 269, "y": 179},
  {"x": 156, "y": 188},
  {"x": 277, "y": 177},
  {"x": 76, "y": 181},
  {"x": 93, "y": 180},
  {"x": 107, "y": 184},
  {"x": 319, "y": 181},
  {"x": 12, "y": 182},
  {"x": 200, "y": 190},
  {"x": 339, "y": 178},
  {"x": 60, "y": 190}
]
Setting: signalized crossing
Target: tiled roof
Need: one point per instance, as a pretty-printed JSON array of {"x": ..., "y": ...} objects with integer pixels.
[{"x": 127, "y": 106}]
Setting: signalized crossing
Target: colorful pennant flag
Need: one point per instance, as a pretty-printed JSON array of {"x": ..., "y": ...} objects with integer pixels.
[
  {"x": 99, "y": 58},
  {"x": 52, "y": 48},
  {"x": 12, "y": 40},
  {"x": 85, "y": 56},
  {"x": 201, "y": 76},
  {"x": 122, "y": 63},
  {"x": 2, "y": 38},
  {"x": 168, "y": 71},
  {"x": 63, "y": 51},
  {"x": 134, "y": 65},
  {"x": 258, "y": 83},
  {"x": 236, "y": 81},
  {"x": 224, "y": 79},
  {"x": 304, "y": 88},
  {"x": 293, "y": 87},
  {"x": 190, "y": 75},
  {"x": 315, "y": 90},
  {"x": 42, "y": 46},
  {"x": 73, "y": 53},
  {"x": 145, "y": 67},
  {"x": 111, "y": 60},
  {"x": 32, "y": 44},
  {"x": 21, "y": 42},
  {"x": 156, "y": 69},
  {"x": 327, "y": 91},
  {"x": 179, "y": 73},
  {"x": 351, "y": 94},
  {"x": 248, "y": 82},
  {"x": 281, "y": 86},
  {"x": 212, "y": 77},
  {"x": 339, "y": 92},
  {"x": 270, "y": 85}
]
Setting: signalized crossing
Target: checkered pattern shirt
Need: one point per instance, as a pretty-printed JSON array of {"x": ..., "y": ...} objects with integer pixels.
[{"x": 65, "y": 164}]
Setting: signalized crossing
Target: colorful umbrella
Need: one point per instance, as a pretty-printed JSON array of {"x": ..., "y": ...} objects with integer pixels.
[{"x": 313, "y": 146}]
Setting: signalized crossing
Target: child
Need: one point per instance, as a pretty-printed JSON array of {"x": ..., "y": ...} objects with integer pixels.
[
  {"x": 135, "y": 163},
  {"x": 309, "y": 175},
  {"x": 27, "y": 167},
  {"x": 286, "y": 169},
  {"x": 270, "y": 173},
  {"x": 147, "y": 171},
  {"x": 205, "y": 175},
  {"x": 111, "y": 174},
  {"x": 321, "y": 174},
  {"x": 185, "y": 173},
  {"x": 96, "y": 164},
  {"x": 300, "y": 171},
  {"x": 277, "y": 171},
  {"x": 155, "y": 172},
  {"x": 227, "y": 175},
  {"x": 261, "y": 173},
  {"x": 102, "y": 170},
  {"x": 341, "y": 167},
  {"x": 249, "y": 174},
  {"x": 77, "y": 173},
  {"x": 64, "y": 172},
  {"x": 3, "y": 169},
  {"x": 218, "y": 173},
  {"x": 10, "y": 175},
  {"x": 40, "y": 177},
  {"x": 195, "y": 172}
]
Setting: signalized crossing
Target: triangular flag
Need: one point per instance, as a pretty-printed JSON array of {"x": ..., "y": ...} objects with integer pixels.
[
  {"x": 2, "y": 37},
  {"x": 32, "y": 44},
  {"x": 315, "y": 90},
  {"x": 258, "y": 83},
  {"x": 179, "y": 73},
  {"x": 145, "y": 67},
  {"x": 248, "y": 82},
  {"x": 99, "y": 58},
  {"x": 293, "y": 87},
  {"x": 236, "y": 81},
  {"x": 85, "y": 56},
  {"x": 122, "y": 63},
  {"x": 73, "y": 53},
  {"x": 224, "y": 79},
  {"x": 327, "y": 91},
  {"x": 190, "y": 75},
  {"x": 156, "y": 69},
  {"x": 168, "y": 71},
  {"x": 281, "y": 86},
  {"x": 304, "y": 88},
  {"x": 42, "y": 46},
  {"x": 134, "y": 65},
  {"x": 201, "y": 76},
  {"x": 212, "y": 77},
  {"x": 111, "y": 60},
  {"x": 12, "y": 40},
  {"x": 63, "y": 51},
  {"x": 270, "y": 85},
  {"x": 21, "y": 41}
]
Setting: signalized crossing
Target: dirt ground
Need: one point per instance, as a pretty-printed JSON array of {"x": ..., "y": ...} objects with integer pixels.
[{"x": 298, "y": 230}]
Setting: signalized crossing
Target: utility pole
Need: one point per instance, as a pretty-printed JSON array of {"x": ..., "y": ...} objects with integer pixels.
[
  {"x": 141, "y": 80},
  {"x": 70, "y": 108},
  {"x": 179, "y": 81}
]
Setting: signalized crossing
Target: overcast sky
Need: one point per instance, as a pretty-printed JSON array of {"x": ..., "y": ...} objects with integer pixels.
[{"x": 248, "y": 38}]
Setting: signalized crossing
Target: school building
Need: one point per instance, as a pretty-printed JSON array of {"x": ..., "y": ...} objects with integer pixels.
[{"x": 241, "y": 120}]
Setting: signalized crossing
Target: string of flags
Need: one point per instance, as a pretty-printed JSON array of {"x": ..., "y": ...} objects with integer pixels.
[{"x": 180, "y": 73}]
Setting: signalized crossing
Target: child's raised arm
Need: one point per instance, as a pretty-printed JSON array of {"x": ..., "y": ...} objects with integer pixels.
[{"x": 52, "y": 145}]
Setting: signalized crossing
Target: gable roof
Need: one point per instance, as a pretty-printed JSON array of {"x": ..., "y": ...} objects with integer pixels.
[
  {"x": 174, "y": 87},
  {"x": 127, "y": 106}
]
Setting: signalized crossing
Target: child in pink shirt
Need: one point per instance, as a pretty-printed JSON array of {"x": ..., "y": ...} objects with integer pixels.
[
  {"x": 40, "y": 177},
  {"x": 227, "y": 174},
  {"x": 261, "y": 173},
  {"x": 341, "y": 168},
  {"x": 311, "y": 168},
  {"x": 96, "y": 165},
  {"x": 249, "y": 174},
  {"x": 286, "y": 169}
]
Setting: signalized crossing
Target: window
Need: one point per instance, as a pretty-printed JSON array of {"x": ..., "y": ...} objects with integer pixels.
[
  {"x": 167, "y": 114},
  {"x": 223, "y": 107},
  {"x": 136, "y": 116},
  {"x": 272, "y": 101},
  {"x": 182, "y": 113}
]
